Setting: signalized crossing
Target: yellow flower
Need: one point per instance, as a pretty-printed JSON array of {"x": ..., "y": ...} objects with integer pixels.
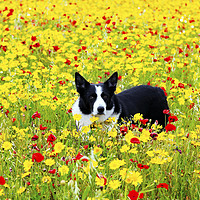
[
  {"x": 150, "y": 153},
  {"x": 7, "y": 145},
  {"x": 77, "y": 117},
  {"x": 94, "y": 119},
  {"x": 27, "y": 165},
  {"x": 134, "y": 150},
  {"x": 26, "y": 174},
  {"x": 63, "y": 170},
  {"x": 112, "y": 133},
  {"x": 59, "y": 146},
  {"x": 114, "y": 184},
  {"x": 124, "y": 148},
  {"x": 1, "y": 192},
  {"x": 46, "y": 179},
  {"x": 97, "y": 150},
  {"x": 49, "y": 162},
  {"x": 99, "y": 181},
  {"x": 145, "y": 135},
  {"x": 109, "y": 143},
  {"x": 85, "y": 129},
  {"x": 21, "y": 189},
  {"x": 123, "y": 173},
  {"x": 115, "y": 164},
  {"x": 92, "y": 139},
  {"x": 137, "y": 117},
  {"x": 134, "y": 177}
]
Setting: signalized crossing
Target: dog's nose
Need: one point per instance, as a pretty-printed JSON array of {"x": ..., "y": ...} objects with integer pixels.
[{"x": 100, "y": 110}]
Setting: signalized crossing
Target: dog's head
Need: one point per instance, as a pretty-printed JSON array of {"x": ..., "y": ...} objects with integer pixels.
[{"x": 96, "y": 99}]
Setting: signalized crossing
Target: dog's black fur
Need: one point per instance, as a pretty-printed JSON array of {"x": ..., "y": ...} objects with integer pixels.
[{"x": 144, "y": 99}]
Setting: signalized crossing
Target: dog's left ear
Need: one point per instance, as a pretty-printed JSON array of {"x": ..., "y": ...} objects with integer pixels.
[
  {"x": 81, "y": 83},
  {"x": 112, "y": 81}
]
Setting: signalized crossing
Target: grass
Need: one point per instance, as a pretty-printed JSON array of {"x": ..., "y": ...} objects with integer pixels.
[{"x": 42, "y": 45}]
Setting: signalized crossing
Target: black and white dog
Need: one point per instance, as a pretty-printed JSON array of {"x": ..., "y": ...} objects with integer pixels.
[{"x": 99, "y": 100}]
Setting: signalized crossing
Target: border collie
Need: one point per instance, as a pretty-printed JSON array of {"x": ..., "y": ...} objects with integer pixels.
[{"x": 100, "y": 100}]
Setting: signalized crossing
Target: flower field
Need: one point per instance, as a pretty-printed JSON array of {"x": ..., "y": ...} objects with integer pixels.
[{"x": 42, "y": 44}]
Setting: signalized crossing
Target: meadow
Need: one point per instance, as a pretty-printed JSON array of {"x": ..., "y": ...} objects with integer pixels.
[{"x": 42, "y": 44}]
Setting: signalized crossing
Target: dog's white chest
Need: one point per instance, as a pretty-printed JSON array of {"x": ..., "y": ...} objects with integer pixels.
[{"x": 86, "y": 119}]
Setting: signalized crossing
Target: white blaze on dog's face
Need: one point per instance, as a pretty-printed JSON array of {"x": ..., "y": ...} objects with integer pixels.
[{"x": 99, "y": 107}]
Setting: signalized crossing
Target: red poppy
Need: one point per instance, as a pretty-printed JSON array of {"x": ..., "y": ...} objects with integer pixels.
[
  {"x": 2, "y": 180},
  {"x": 133, "y": 195},
  {"x": 142, "y": 166},
  {"x": 42, "y": 128},
  {"x": 13, "y": 119},
  {"x": 38, "y": 157},
  {"x": 56, "y": 48},
  {"x": 80, "y": 157},
  {"x": 166, "y": 111},
  {"x": 169, "y": 58},
  {"x": 123, "y": 130},
  {"x": 135, "y": 141},
  {"x": 34, "y": 138},
  {"x": 172, "y": 119},
  {"x": 86, "y": 147},
  {"x": 36, "y": 115},
  {"x": 51, "y": 138},
  {"x": 52, "y": 171},
  {"x": 144, "y": 121},
  {"x": 163, "y": 185},
  {"x": 84, "y": 47},
  {"x": 36, "y": 45},
  {"x": 68, "y": 62},
  {"x": 33, "y": 38},
  {"x": 170, "y": 127}
]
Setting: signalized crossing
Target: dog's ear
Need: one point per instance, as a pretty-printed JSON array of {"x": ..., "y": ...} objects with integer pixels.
[
  {"x": 80, "y": 82},
  {"x": 112, "y": 81}
]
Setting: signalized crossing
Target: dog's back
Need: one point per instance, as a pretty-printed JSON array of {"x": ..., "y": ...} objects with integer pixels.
[{"x": 147, "y": 100}]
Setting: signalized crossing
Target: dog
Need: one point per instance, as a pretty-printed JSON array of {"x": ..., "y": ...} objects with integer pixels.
[{"x": 101, "y": 101}]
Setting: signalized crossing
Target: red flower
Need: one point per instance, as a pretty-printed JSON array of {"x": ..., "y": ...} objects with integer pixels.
[
  {"x": 51, "y": 138},
  {"x": 86, "y": 147},
  {"x": 2, "y": 180},
  {"x": 84, "y": 48},
  {"x": 68, "y": 62},
  {"x": 142, "y": 166},
  {"x": 56, "y": 48},
  {"x": 181, "y": 85},
  {"x": 80, "y": 157},
  {"x": 52, "y": 171},
  {"x": 36, "y": 45},
  {"x": 144, "y": 121},
  {"x": 170, "y": 127},
  {"x": 166, "y": 111},
  {"x": 135, "y": 141},
  {"x": 33, "y": 38},
  {"x": 180, "y": 50},
  {"x": 172, "y": 119},
  {"x": 123, "y": 130},
  {"x": 163, "y": 185},
  {"x": 34, "y": 138},
  {"x": 36, "y": 115},
  {"x": 133, "y": 195},
  {"x": 167, "y": 59},
  {"x": 42, "y": 128},
  {"x": 38, "y": 157},
  {"x": 13, "y": 119}
]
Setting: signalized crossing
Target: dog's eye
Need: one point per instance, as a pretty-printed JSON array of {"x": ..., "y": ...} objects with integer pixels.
[
  {"x": 104, "y": 96},
  {"x": 92, "y": 97}
]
